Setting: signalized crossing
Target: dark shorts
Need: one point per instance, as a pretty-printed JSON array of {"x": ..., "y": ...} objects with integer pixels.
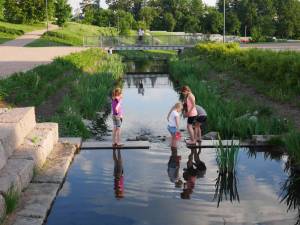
[
  {"x": 192, "y": 120},
  {"x": 201, "y": 119}
]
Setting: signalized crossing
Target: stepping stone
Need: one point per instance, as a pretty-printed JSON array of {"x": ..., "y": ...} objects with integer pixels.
[{"x": 98, "y": 145}]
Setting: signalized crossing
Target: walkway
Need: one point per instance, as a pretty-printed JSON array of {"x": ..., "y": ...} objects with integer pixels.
[
  {"x": 28, "y": 37},
  {"x": 19, "y": 59}
]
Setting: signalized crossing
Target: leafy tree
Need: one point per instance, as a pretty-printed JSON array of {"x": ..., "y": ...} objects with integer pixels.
[
  {"x": 13, "y": 11},
  {"x": 233, "y": 24},
  {"x": 104, "y": 18},
  {"x": 62, "y": 12},
  {"x": 124, "y": 21},
  {"x": 213, "y": 21},
  {"x": 169, "y": 21},
  {"x": 1, "y": 9},
  {"x": 148, "y": 14}
]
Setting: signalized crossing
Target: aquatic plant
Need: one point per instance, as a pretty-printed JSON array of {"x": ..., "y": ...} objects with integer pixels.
[
  {"x": 292, "y": 143},
  {"x": 226, "y": 182},
  {"x": 11, "y": 200},
  {"x": 290, "y": 193}
]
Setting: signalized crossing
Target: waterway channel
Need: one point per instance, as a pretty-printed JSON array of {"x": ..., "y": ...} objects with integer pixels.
[{"x": 153, "y": 187}]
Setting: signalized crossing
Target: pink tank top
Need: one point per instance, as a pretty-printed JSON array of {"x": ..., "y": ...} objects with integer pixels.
[{"x": 189, "y": 103}]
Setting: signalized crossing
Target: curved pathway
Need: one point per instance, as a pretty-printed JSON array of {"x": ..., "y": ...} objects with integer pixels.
[{"x": 14, "y": 57}]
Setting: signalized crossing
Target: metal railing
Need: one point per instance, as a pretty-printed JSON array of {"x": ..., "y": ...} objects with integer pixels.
[{"x": 146, "y": 40}]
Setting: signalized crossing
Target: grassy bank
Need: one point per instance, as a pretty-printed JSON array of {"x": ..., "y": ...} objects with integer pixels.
[
  {"x": 275, "y": 74},
  {"x": 72, "y": 34},
  {"x": 232, "y": 117},
  {"x": 147, "y": 55},
  {"x": 79, "y": 82},
  {"x": 9, "y": 31}
]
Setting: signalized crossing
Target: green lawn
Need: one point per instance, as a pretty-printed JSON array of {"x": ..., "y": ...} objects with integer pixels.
[
  {"x": 72, "y": 34},
  {"x": 9, "y": 31}
]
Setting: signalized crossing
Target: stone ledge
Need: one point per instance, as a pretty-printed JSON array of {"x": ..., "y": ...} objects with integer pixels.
[
  {"x": 23, "y": 220},
  {"x": 77, "y": 141},
  {"x": 2, "y": 208},
  {"x": 16, "y": 124},
  {"x": 37, "y": 199},
  {"x": 16, "y": 174},
  {"x": 57, "y": 164},
  {"x": 38, "y": 144}
]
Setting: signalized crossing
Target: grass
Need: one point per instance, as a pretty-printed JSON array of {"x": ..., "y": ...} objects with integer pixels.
[
  {"x": 230, "y": 117},
  {"x": 265, "y": 70},
  {"x": 89, "y": 77},
  {"x": 9, "y": 31},
  {"x": 11, "y": 200},
  {"x": 147, "y": 55},
  {"x": 72, "y": 34}
]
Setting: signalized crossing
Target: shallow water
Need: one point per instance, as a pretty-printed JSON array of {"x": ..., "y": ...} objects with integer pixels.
[{"x": 150, "y": 195}]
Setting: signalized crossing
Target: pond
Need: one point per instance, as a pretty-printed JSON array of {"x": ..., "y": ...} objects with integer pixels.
[{"x": 155, "y": 187}]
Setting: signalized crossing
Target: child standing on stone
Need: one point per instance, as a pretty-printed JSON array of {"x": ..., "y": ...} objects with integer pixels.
[
  {"x": 173, "y": 122},
  {"x": 117, "y": 116}
]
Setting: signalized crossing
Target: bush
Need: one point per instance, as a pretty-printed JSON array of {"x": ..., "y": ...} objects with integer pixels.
[{"x": 11, "y": 31}]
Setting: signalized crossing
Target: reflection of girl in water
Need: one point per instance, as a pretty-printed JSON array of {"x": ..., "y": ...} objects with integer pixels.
[
  {"x": 118, "y": 174},
  {"x": 193, "y": 171},
  {"x": 173, "y": 168}
]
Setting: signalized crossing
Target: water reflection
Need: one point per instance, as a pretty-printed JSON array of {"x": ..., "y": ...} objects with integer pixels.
[
  {"x": 195, "y": 168},
  {"x": 118, "y": 174},
  {"x": 174, "y": 167},
  {"x": 141, "y": 89},
  {"x": 290, "y": 192},
  {"x": 226, "y": 182}
]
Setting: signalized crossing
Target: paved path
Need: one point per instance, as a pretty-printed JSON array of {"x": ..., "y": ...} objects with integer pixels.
[
  {"x": 293, "y": 46},
  {"x": 28, "y": 37},
  {"x": 18, "y": 59}
]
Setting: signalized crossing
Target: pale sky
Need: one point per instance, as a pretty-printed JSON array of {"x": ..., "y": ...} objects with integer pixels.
[{"x": 75, "y": 3}]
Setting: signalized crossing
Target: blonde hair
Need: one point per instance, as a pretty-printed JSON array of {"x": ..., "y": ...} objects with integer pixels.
[
  {"x": 178, "y": 105},
  {"x": 116, "y": 92}
]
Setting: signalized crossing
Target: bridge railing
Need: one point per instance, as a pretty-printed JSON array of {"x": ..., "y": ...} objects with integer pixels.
[{"x": 146, "y": 40}]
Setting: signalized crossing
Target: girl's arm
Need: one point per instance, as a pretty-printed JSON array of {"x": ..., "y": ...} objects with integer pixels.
[{"x": 169, "y": 114}]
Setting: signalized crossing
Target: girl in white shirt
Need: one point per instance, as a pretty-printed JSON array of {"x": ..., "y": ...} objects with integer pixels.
[{"x": 173, "y": 122}]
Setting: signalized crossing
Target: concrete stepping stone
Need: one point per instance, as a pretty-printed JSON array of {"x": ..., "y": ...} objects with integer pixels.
[
  {"x": 57, "y": 164},
  {"x": 99, "y": 145},
  {"x": 38, "y": 144}
]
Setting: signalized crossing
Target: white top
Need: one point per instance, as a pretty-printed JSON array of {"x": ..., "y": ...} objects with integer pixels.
[
  {"x": 201, "y": 111},
  {"x": 172, "y": 118}
]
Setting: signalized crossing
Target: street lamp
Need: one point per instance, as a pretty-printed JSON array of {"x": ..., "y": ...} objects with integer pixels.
[
  {"x": 224, "y": 25},
  {"x": 47, "y": 15}
]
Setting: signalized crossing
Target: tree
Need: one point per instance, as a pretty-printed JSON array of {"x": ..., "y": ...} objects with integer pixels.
[
  {"x": 1, "y": 9},
  {"x": 13, "y": 11},
  {"x": 169, "y": 21},
  {"x": 213, "y": 21},
  {"x": 148, "y": 14},
  {"x": 124, "y": 21},
  {"x": 62, "y": 12}
]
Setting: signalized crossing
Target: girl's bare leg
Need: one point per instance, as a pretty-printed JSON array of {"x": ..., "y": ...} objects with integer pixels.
[
  {"x": 114, "y": 136},
  {"x": 191, "y": 133}
]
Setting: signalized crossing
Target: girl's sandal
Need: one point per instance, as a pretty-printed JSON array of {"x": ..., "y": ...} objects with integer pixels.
[
  {"x": 114, "y": 145},
  {"x": 120, "y": 145}
]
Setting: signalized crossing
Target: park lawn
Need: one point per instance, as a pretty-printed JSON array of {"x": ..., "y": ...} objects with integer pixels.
[
  {"x": 10, "y": 31},
  {"x": 72, "y": 34}
]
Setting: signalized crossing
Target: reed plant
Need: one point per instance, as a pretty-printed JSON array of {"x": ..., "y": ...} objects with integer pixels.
[
  {"x": 11, "y": 200},
  {"x": 226, "y": 182}
]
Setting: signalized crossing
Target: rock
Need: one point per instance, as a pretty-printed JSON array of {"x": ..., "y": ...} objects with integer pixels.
[
  {"x": 211, "y": 136},
  {"x": 77, "y": 141},
  {"x": 131, "y": 139},
  {"x": 142, "y": 138},
  {"x": 263, "y": 138},
  {"x": 253, "y": 118}
]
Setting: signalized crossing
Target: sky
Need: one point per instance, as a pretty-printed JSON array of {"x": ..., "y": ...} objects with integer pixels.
[{"x": 75, "y": 3}]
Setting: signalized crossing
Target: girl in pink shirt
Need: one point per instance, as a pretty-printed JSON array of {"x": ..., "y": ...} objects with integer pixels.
[{"x": 190, "y": 112}]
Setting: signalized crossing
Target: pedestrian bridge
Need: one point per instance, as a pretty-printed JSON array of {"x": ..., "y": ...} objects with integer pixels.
[{"x": 147, "y": 42}]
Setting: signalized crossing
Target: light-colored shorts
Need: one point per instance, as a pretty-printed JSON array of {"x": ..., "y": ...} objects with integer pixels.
[{"x": 117, "y": 121}]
